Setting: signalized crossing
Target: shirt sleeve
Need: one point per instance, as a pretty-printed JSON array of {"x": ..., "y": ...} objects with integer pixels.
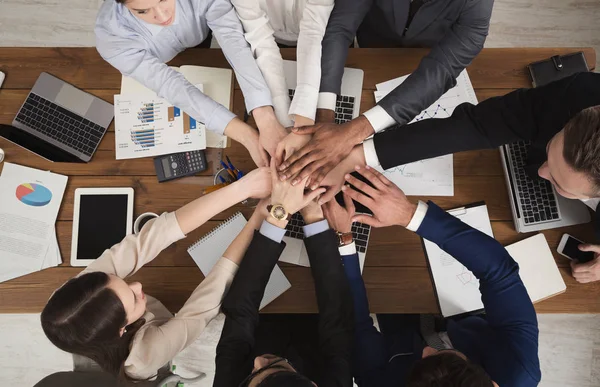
[
  {"x": 379, "y": 118},
  {"x": 272, "y": 232},
  {"x": 348, "y": 250},
  {"x": 418, "y": 217},
  {"x": 312, "y": 28},
  {"x": 260, "y": 36},
  {"x": 315, "y": 228},
  {"x": 327, "y": 101},
  {"x": 370, "y": 152},
  {"x": 130, "y": 56},
  {"x": 226, "y": 26},
  {"x": 128, "y": 256},
  {"x": 155, "y": 345}
]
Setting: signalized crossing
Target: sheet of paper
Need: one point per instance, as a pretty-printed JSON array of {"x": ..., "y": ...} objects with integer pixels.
[
  {"x": 456, "y": 287},
  {"x": 29, "y": 204},
  {"x": 435, "y": 176}
]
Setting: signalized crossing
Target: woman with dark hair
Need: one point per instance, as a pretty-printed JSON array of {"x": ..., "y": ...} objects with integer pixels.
[
  {"x": 100, "y": 316},
  {"x": 138, "y": 38}
]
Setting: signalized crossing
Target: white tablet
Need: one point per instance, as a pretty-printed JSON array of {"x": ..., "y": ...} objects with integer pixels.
[{"x": 102, "y": 217}]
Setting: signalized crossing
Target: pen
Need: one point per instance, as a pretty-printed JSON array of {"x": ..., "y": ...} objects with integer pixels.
[
  {"x": 214, "y": 188},
  {"x": 230, "y": 163},
  {"x": 222, "y": 179},
  {"x": 230, "y": 171}
]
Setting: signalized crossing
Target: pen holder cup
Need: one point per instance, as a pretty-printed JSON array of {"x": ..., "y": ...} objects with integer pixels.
[{"x": 252, "y": 203}]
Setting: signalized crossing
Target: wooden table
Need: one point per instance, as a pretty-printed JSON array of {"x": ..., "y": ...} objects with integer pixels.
[{"x": 395, "y": 273}]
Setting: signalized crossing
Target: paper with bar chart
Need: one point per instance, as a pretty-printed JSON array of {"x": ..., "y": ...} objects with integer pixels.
[
  {"x": 151, "y": 126},
  {"x": 435, "y": 176}
]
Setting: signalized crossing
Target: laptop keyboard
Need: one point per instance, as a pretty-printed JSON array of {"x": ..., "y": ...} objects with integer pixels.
[
  {"x": 60, "y": 124},
  {"x": 536, "y": 197},
  {"x": 360, "y": 232},
  {"x": 344, "y": 107}
]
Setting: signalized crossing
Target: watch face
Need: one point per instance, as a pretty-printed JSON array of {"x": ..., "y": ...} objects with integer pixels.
[{"x": 278, "y": 212}]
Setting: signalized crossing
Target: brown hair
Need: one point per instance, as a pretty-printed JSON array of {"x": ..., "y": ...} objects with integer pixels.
[
  {"x": 85, "y": 317},
  {"x": 581, "y": 147},
  {"x": 447, "y": 369}
]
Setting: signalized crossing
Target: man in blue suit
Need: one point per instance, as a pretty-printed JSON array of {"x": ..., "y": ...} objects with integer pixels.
[{"x": 498, "y": 348}]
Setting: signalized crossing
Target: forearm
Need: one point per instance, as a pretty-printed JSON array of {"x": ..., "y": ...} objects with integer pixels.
[
  {"x": 199, "y": 211},
  {"x": 236, "y": 250}
]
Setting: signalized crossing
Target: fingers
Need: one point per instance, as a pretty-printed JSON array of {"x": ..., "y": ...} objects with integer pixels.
[
  {"x": 379, "y": 175},
  {"x": 298, "y": 167},
  {"x": 305, "y": 129},
  {"x": 361, "y": 185},
  {"x": 348, "y": 203},
  {"x": 589, "y": 247},
  {"x": 329, "y": 194},
  {"x": 312, "y": 195},
  {"x": 582, "y": 267},
  {"x": 359, "y": 197},
  {"x": 584, "y": 277},
  {"x": 309, "y": 171},
  {"x": 367, "y": 219},
  {"x": 292, "y": 159},
  {"x": 280, "y": 152}
]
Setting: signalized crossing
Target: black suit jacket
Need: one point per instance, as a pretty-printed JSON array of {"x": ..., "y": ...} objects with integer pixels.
[{"x": 237, "y": 347}]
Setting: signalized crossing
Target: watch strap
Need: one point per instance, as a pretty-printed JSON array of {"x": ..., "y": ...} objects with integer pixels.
[{"x": 345, "y": 238}]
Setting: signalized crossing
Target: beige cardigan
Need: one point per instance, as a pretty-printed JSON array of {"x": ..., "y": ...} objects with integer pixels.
[{"x": 164, "y": 336}]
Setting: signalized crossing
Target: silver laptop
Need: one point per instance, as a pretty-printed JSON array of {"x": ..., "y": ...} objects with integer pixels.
[
  {"x": 295, "y": 251},
  {"x": 534, "y": 202},
  {"x": 348, "y": 102},
  {"x": 60, "y": 122}
]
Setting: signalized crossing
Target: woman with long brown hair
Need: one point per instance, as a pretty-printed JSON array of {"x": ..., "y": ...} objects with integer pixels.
[{"x": 100, "y": 316}]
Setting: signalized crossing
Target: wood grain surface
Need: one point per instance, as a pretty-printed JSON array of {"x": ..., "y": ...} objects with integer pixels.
[{"x": 395, "y": 273}]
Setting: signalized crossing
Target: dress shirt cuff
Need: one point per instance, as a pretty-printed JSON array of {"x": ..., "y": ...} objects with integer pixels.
[
  {"x": 219, "y": 119},
  {"x": 371, "y": 154},
  {"x": 327, "y": 101},
  {"x": 379, "y": 118},
  {"x": 315, "y": 228},
  {"x": 272, "y": 232},
  {"x": 257, "y": 98},
  {"x": 304, "y": 102},
  {"x": 348, "y": 249},
  {"x": 418, "y": 217}
]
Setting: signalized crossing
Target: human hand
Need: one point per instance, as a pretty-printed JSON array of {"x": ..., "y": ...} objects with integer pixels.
[
  {"x": 387, "y": 202},
  {"x": 330, "y": 144},
  {"x": 588, "y": 271},
  {"x": 290, "y": 144},
  {"x": 248, "y": 137},
  {"x": 257, "y": 183},
  {"x": 260, "y": 212},
  {"x": 257, "y": 152},
  {"x": 292, "y": 198},
  {"x": 271, "y": 131},
  {"x": 312, "y": 213},
  {"x": 325, "y": 116},
  {"x": 340, "y": 218},
  {"x": 336, "y": 178}
]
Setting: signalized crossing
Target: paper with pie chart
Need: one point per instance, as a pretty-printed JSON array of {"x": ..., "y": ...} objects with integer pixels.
[
  {"x": 456, "y": 287},
  {"x": 435, "y": 176},
  {"x": 29, "y": 203}
]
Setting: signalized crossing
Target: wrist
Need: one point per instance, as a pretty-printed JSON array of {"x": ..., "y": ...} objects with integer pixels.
[
  {"x": 237, "y": 191},
  {"x": 325, "y": 115},
  {"x": 302, "y": 121},
  {"x": 241, "y": 132},
  {"x": 362, "y": 128},
  {"x": 264, "y": 117},
  {"x": 277, "y": 222},
  {"x": 408, "y": 212},
  {"x": 312, "y": 216}
]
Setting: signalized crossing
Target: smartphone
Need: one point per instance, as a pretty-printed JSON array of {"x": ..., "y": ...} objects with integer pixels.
[{"x": 569, "y": 247}]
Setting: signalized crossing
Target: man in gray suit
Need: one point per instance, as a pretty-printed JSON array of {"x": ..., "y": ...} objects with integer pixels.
[{"x": 454, "y": 29}]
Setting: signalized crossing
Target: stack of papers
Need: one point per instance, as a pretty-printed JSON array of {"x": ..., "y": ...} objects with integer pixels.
[
  {"x": 29, "y": 204},
  {"x": 431, "y": 177}
]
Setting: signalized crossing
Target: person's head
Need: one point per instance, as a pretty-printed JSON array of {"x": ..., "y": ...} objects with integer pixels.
[
  {"x": 573, "y": 165},
  {"x": 159, "y": 12},
  {"x": 275, "y": 371},
  {"x": 448, "y": 368},
  {"x": 95, "y": 315}
]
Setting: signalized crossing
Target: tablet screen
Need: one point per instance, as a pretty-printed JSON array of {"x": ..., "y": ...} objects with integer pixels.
[{"x": 102, "y": 224}]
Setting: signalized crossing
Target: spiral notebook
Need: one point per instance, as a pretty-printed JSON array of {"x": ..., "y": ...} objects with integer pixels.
[{"x": 207, "y": 251}]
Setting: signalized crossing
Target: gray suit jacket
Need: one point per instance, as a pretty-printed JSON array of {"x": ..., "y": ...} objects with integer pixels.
[{"x": 454, "y": 29}]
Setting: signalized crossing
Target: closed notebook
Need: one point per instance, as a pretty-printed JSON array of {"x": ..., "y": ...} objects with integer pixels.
[{"x": 207, "y": 251}]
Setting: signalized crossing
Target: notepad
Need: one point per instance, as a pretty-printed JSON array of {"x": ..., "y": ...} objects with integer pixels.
[
  {"x": 210, "y": 248},
  {"x": 457, "y": 289}
]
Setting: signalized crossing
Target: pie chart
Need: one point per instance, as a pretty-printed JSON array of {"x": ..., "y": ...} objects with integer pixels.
[{"x": 35, "y": 195}]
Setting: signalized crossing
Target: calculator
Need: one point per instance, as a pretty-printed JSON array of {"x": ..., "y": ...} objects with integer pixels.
[{"x": 176, "y": 165}]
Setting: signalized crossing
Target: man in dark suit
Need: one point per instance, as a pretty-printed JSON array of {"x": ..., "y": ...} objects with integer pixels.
[
  {"x": 454, "y": 29},
  {"x": 561, "y": 120},
  {"x": 288, "y": 350},
  {"x": 500, "y": 347}
]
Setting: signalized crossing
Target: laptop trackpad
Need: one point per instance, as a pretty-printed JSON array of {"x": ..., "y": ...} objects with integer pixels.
[{"x": 73, "y": 99}]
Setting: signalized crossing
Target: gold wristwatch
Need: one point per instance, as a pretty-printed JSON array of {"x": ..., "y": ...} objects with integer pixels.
[
  {"x": 279, "y": 212},
  {"x": 345, "y": 238}
]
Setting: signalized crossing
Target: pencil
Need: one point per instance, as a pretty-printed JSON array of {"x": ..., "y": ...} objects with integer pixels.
[
  {"x": 229, "y": 171},
  {"x": 214, "y": 188}
]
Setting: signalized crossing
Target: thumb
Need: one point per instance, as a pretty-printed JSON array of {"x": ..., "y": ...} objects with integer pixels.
[
  {"x": 329, "y": 195},
  {"x": 305, "y": 129},
  {"x": 367, "y": 219},
  {"x": 589, "y": 247},
  {"x": 312, "y": 195}
]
